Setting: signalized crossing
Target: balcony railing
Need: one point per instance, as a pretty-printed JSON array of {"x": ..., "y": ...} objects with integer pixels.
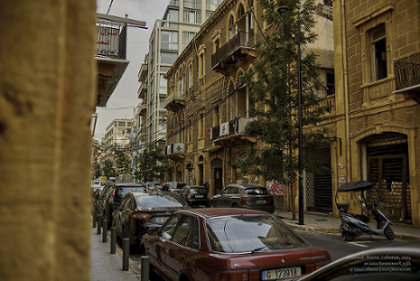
[
  {"x": 111, "y": 39},
  {"x": 241, "y": 39},
  {"x": 407, "y": 73},
  {"x": 233, "y": 128},
  {"x": 173, "y": 103}
]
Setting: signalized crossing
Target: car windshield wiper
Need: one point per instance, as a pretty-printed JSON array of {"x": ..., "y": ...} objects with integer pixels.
[{"x": 259, "y": 249}]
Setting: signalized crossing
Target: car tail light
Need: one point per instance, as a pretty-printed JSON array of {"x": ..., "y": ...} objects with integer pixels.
[
  {"x": 246, "y": 198},
  {"x": 141, "y": 216},
  {"x": 189, "y": 196}
]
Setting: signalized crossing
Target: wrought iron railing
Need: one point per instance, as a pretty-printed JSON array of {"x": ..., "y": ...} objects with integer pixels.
[
  {"x": 241, "y": 39},
  {"x": 407, "y": 71}
]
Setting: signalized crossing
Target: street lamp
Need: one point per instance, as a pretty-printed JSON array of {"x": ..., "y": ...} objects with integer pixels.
[{"x": 281, "y": 9}]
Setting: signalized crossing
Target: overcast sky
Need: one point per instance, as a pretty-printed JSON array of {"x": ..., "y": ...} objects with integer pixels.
[{"x": 122, "y": 102}]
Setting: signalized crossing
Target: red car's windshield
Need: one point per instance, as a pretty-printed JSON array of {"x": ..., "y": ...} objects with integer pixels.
[{"x": 251, "y": 233}]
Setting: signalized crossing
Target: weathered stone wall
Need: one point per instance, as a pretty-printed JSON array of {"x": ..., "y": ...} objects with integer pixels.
[{"x": 47, "y": 85}]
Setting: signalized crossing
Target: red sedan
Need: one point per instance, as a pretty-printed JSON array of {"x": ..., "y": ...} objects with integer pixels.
[{"x": 215, "y": 244}]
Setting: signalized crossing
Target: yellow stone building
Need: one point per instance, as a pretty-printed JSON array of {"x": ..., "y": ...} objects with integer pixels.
[
  {"x": 377, "y": 73},
  {"x": 208, "y": 107}
]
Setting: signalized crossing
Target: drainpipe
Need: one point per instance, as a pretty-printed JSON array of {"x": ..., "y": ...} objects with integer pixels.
[{"x": 346, "y": 91}]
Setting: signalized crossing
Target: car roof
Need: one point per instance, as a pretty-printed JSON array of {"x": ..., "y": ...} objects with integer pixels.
[
  {"x": 222, "y": 212},
  {"x": 245, "y": 185}
]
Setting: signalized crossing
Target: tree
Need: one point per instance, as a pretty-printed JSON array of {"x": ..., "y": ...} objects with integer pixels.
[
  {"x": 122, "y": 161},
  {"x": 273, "y": 85},
  {"x": 108, "y": 170},
  {"x": 151, "y": 164}
]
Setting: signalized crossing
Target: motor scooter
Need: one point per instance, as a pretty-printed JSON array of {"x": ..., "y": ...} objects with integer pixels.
[{"x": 354, "y": 225}]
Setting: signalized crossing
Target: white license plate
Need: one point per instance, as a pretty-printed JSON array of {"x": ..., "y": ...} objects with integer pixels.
[
  {"x": 261, "y": 202},
  {"x": 281, "y": 273},
  {"x": 199, "y": 196}
]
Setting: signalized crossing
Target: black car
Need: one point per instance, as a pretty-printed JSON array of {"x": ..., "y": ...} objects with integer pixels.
[
  {"x": 140, "y": 213},
  {"x": 196, "y": 195},
  {"x": 253, "y": 196},
  {"x": 114, "y": 197},
  {"x": 176, "y": 186}
]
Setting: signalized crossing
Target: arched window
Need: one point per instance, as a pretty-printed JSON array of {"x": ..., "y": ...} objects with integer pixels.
[{"x": 232, "y": 28}]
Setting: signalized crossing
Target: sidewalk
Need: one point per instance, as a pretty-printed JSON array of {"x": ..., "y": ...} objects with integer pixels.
[
  {"x": 107, "y": 267},
  {"x": 325, "y": 223}
]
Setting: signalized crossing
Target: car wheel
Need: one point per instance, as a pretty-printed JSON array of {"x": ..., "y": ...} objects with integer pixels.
[
  {"x": 234, "y": 205},
  {"x": 389, "y": 233}
]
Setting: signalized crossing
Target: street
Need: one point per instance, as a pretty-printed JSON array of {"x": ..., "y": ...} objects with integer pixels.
[{"x": 339, "y": 248}]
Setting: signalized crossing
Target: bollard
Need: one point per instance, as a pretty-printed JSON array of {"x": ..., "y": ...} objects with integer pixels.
[
  {"x": 104, "y": 230},
  {"x": 126, "y": 253},
  {"x": 113, "y": 240},
  {"x": 94, "y": 221},
  {"x": 98, "y": 230},
  {"x": 145, "y": 268}
]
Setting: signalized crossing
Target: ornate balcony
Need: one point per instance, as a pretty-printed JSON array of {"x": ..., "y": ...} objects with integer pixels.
[
  {"x": 231, "y": 131},
  {"x": 407, "y": 75},
  {"x": 239, "y": 47},
  {"x": 174, "y": 103}
]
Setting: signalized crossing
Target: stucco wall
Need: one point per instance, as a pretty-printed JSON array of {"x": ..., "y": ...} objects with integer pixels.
[{"x": 47, "y": 85}]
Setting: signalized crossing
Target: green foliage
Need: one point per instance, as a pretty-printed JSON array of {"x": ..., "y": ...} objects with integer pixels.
[
  {"x": 108, "y": 170},
  {"x": 151, "y": 165},
  {"x": 273, "y": 86}
]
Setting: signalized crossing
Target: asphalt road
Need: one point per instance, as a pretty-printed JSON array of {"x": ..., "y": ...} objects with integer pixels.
[{"x": 339, "y": 248}]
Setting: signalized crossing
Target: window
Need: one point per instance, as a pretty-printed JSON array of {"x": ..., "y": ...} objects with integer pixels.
[
  {"x": 231, "y": 27},
  {"x": 216, "y": 45},
  {"x": 181, "y": 233},
  {"x": 180, "y": 86},
  {"x": 190, "y": 75},
  {"x": 162, "y": 84},
  {"x": 169, "y": 227},
  {"x": 169, "y": 40},
  {"x": 216, "y": 116},
  {"x": 192, "y": 16},
  {"x": 168, "y": 58},
  {"x": 187, "y": 36},
  {"x": 330, "y": 84},
  {"x": 378, "y": 53},
  {"x": 162, "y": 102},
  {"x": 201, "y": 64}
]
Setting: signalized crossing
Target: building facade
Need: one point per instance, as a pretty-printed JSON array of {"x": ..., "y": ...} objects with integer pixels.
[
  {"x": 377, "y": 56},
  {"x": 180, "y": 23},
  {"x": 209, "y": 107}
]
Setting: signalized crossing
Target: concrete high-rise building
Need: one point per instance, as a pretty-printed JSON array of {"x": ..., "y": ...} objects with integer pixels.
[{"x": 170, "y": 35}]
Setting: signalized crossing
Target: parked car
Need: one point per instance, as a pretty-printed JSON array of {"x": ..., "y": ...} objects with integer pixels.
[
  {"x": 251, "y": 196},
  {"x": 196, "y": 195},
  {"x": 176, "y": 186},
  {"x": 117, "y": 194},
  {"x": 401, "y": 262},
  {"x": 210, "y": 244},
  {"x": 100, "y": 201},
  {"x": 140, "y": 213}
]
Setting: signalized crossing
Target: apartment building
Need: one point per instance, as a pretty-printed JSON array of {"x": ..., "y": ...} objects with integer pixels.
[
  {"x": 181, "y": 21},
  {"x": 209, "y": 107},
  {"x": 377, "y": 62},
  {"x": 118, "y": 133}
]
